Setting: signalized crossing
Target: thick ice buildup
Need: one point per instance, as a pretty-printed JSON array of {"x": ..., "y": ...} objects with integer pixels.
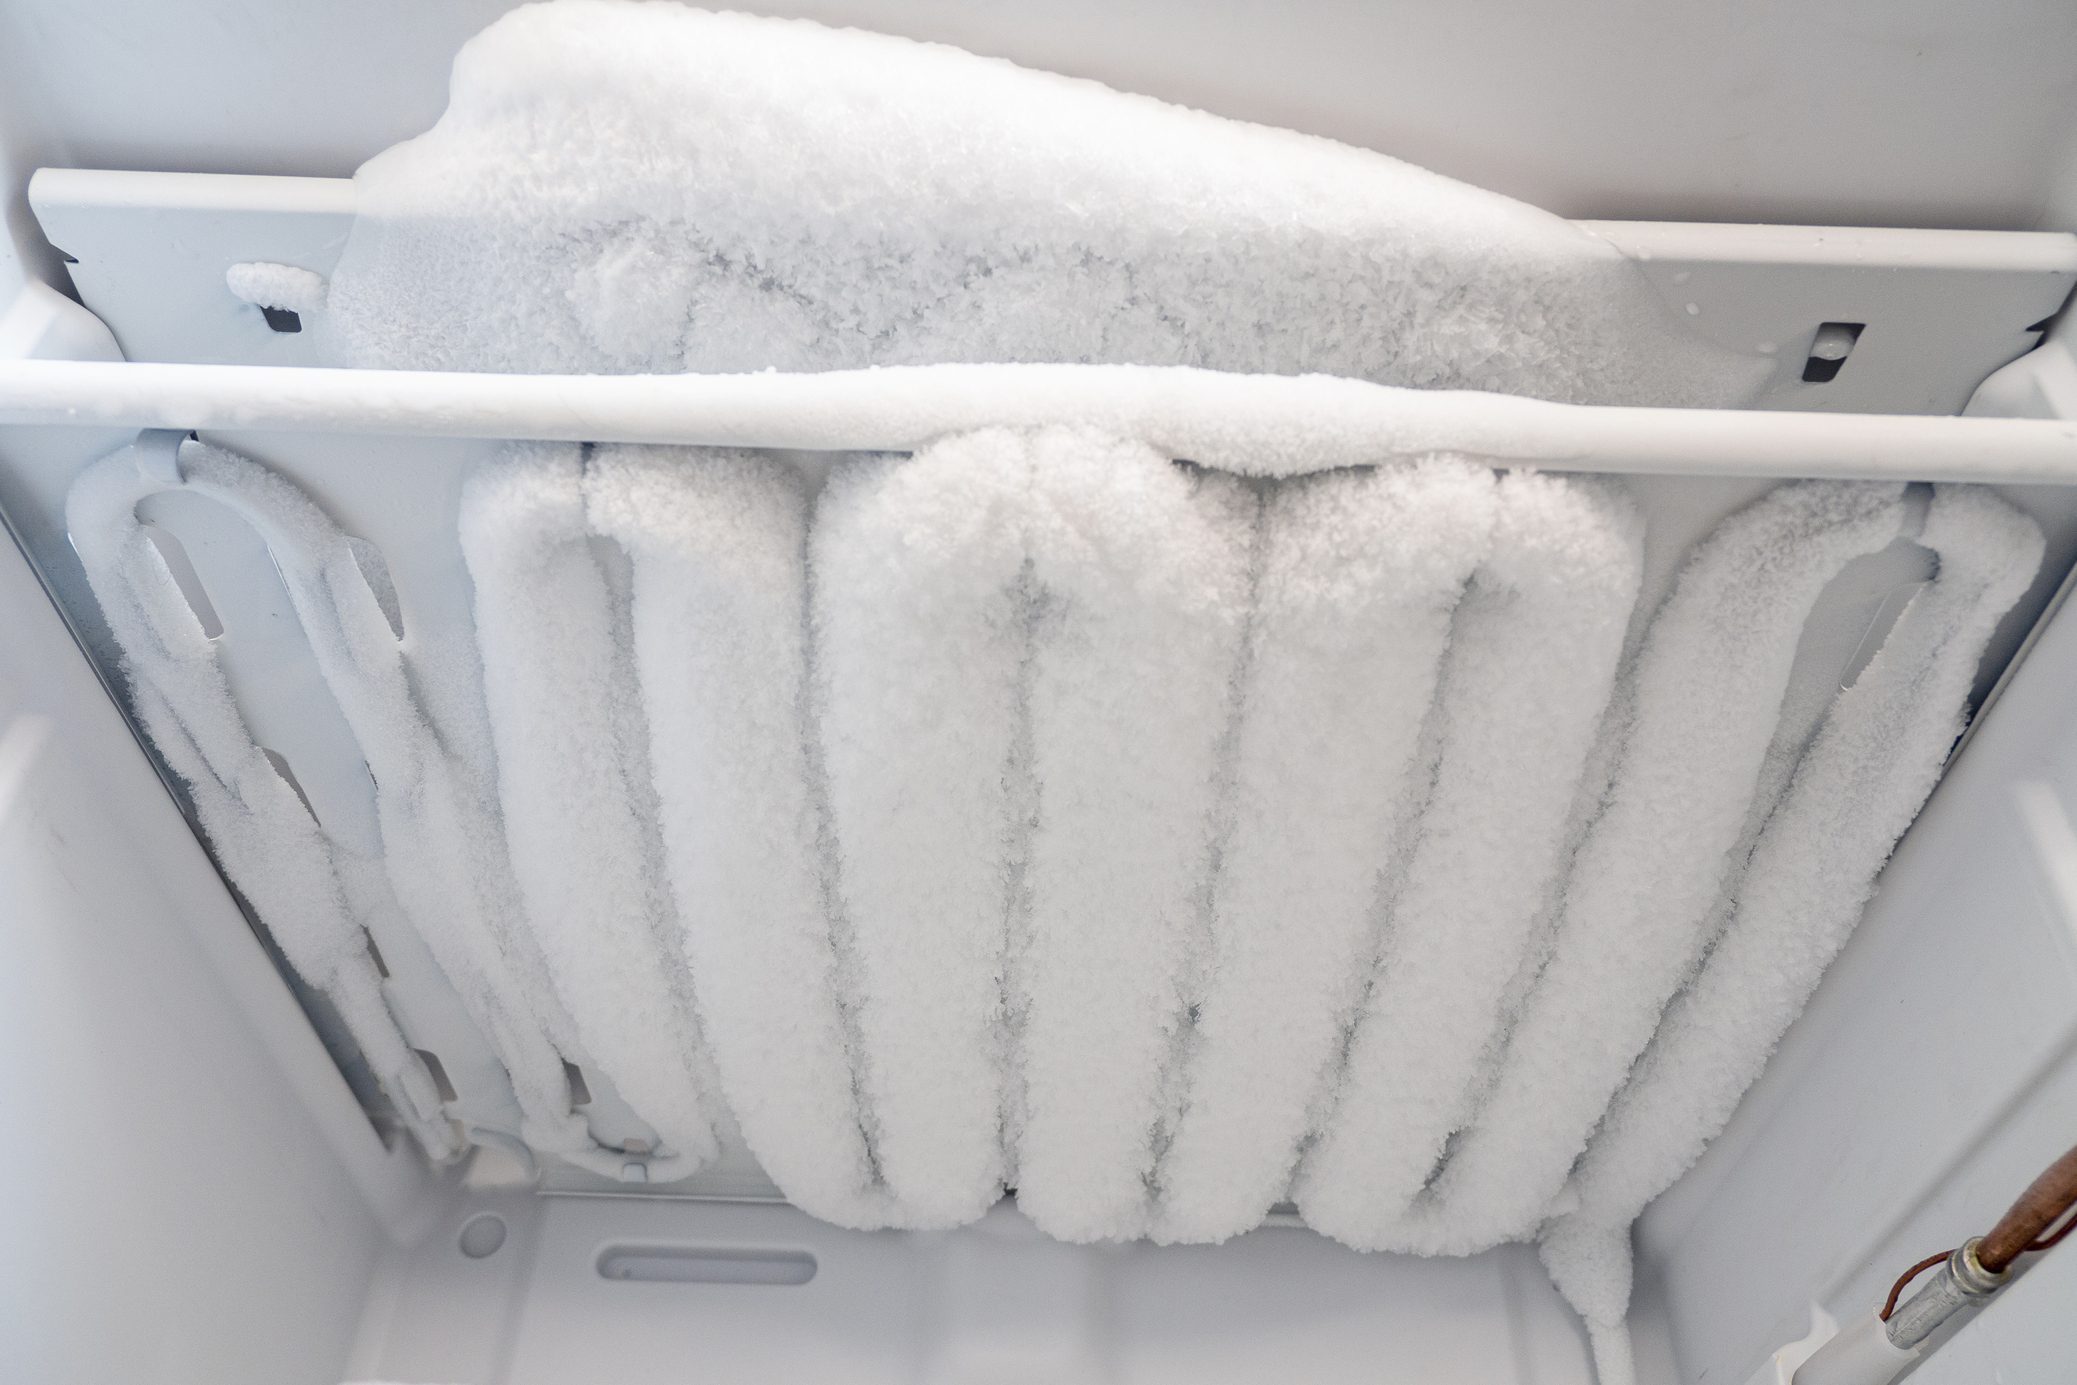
[{"x": 621, "y": 187}]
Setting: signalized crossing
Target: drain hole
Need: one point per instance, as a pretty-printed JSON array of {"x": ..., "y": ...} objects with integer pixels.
[
  {"x": 182, "y": 570},
  {"x": 1829, "y": 349},
  {"x": 580, "y": 1090},
  {"x": 375, "y": 572},
  {"x": 438, "y": 1071},
  {"x": 280, "y": 763},
  {"x": 282, "y": 319},
  {"x": 705, "y": 1265}
]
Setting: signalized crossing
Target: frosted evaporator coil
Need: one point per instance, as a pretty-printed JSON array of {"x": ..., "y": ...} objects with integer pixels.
[{"x": 1036, "y": 813}]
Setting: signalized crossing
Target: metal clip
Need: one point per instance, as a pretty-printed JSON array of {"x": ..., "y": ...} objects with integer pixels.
[{"x": 157, "y": 454}]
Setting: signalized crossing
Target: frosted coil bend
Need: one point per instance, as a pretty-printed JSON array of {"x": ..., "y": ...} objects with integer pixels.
[
  {"x": 442, "y": 845},
  {"x": 1803, "y": 883},
  {"x": 573, "y": 786}
]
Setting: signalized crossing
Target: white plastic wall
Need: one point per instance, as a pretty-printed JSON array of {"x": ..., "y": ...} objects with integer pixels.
[
  {"x": 190, "y": 1194},
  {"x": 1933, "y": 1075}
]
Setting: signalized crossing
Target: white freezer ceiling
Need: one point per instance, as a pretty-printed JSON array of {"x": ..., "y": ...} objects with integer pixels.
[{"x": 1851, "y": 112}]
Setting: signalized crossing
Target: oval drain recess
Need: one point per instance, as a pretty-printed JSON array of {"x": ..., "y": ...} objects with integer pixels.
[{"x": 667, "y": 1264}]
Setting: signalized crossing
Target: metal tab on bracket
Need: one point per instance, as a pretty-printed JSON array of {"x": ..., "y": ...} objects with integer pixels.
[{"x": 1925, "y": 315}]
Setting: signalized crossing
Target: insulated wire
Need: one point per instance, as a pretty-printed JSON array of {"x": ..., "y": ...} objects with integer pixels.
[{"x": 1897, "y": 1289}]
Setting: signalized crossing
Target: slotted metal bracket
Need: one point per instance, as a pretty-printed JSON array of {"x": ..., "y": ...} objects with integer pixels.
[{"x": 1936, "y": 311}]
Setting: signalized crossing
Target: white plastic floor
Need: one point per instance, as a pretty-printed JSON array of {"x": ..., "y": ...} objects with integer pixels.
[{"x": 996, "y": 1302}]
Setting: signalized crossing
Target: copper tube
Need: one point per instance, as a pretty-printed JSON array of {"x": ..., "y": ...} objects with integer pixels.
[{"x": 2046, "y": 1199}]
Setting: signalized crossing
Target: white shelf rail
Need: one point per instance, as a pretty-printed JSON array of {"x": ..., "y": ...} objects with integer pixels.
[{"x": 1253, "y": 424}]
